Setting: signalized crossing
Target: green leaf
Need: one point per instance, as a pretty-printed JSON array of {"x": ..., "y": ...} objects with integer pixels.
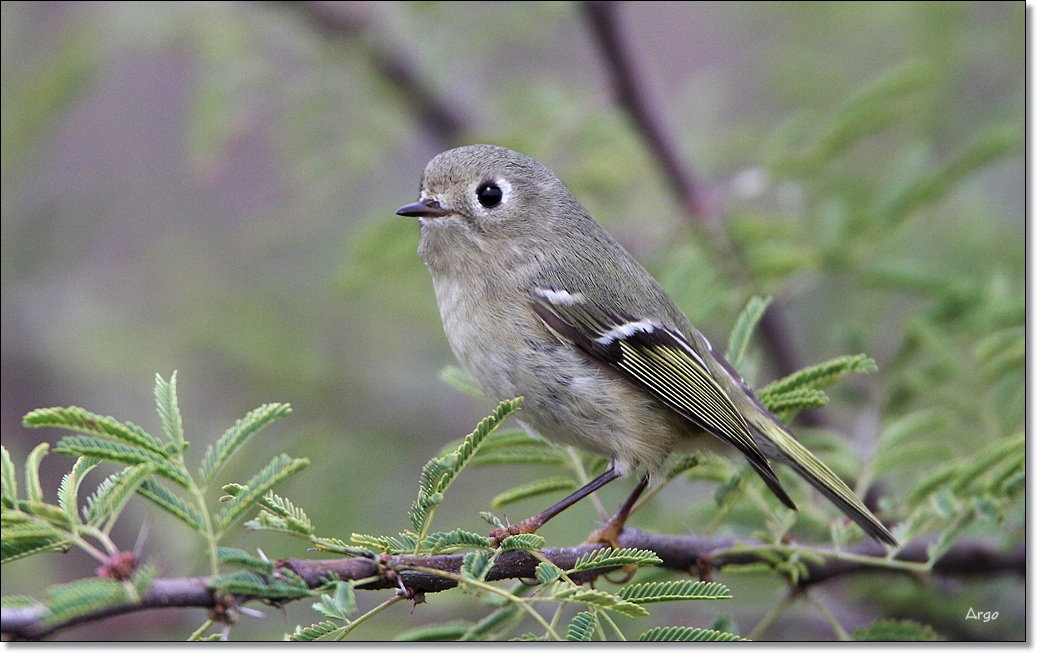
[
  {"x": 434, "y": 473},
  {"x": 508, "y": 438},
  {"x": 85, "y": 422},
  {"x": 67, "y": 499},
  {"x": 528, "y": 637},
  {"x": 529, "y": 542},
  {"x": 819, "y": 376},
  {"x": 537, "y": 455},
  {"x": 723, "y": 623},
  {"x": 459, "y": 379},
  {"x": 445, "y": 542},
  {"x": 326, "y": 607},
  {"x": 739, "y": 339},
  {"x": 55, "y": 515},
  {"x": 1011, "y": 448},
  {"x": 607, "y": 557},
  {"x": 113, "y": 493},
  {"x": 963, "y": 519},
  {"x": 9, "y": 485},
  {"x": 868, "y": 111},
  {"x": 344, "y": 598},
  {"x": 120, "y": 453},
  {"x": 932, "y": 483},
  {"x": 286, "y": 585},
  {"x": 82, "y": 597},
  {"x": 484, "y": 629},
  {"x": 1008, "y": 480},
  {"x": 1003, "y": 352},
  {"x": 683, "y": 465},
  {"x": 533, "y": 489},
  {"x": 400, "y": 544},
  {"x": 293, "y": 518},
  {"x": 439, "y": 473},
  {"x": 68, "y": 490},
  {"x": 727, "y": 492},
  {"x": 961, "y": 477},
  {"x": 548, "y": 572},
  {"x": 987, "y": 510},
  {"x": 445, "y": 631},
  {"x": 336, "y": 546},
  {"x": 312, "y": 632},
  {"x": 476, "y": 565},
  {"x": 24, "y": 539},
  {"x": 242, "y": 559},
  {"x": 602, "y": 600},
  {"x": 484, "y": 429},
  {"x": 234, "y": 438},
  {"x": 33, "y": 489},
  {"x": 169, "y": 410},
  {"x": 996, "y": 142},
  {"x": 143, "y": 577},
  {"x": 279, "y": 469},
  {"x": 267, "y": 521},
  {"x": 686, "y": 634},
  {"x": 796, "y": 400},
  {"x": 20, "y": 602},
  {"x": 153, "y": 490},
  {"x": 896, "y": 630},
  {"x": 670, "y": 591},
  {"x": 582, "y": 627},
  {"x": 233, "y": 490},
  {"x": 904, "y": 441}
]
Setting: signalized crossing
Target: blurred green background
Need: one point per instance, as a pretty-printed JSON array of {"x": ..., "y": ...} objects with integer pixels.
[{"x": 210, "y": 188}]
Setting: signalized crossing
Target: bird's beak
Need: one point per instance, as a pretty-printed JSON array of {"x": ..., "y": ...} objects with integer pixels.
[{"x": 425, "y": 208}]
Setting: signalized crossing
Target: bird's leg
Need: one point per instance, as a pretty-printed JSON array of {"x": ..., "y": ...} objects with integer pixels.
[
  {"x": 610, "y": 531},
  {"x": 532, "y": 524}
]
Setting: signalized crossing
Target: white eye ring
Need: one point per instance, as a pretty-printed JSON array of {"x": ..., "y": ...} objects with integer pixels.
[
  {"x": 506, "y": 189},
  {"x": 492, "y": 201}
]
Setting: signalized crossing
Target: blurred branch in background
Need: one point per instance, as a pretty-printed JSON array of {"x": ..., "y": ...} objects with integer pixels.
[
  {"x": 641, "y": 102},
  {"x": 445, "y": 121}
]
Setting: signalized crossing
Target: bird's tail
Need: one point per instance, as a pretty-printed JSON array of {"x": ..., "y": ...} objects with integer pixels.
[{"x": 778, "y": 443}]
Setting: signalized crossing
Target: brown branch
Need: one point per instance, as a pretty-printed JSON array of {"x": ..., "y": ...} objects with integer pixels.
[
  {"x": 646, "y": 111},
  {"x": 28, "y": 623},
  {"x": 684, "y": 553},
  {"x": 352, "y": 21}
]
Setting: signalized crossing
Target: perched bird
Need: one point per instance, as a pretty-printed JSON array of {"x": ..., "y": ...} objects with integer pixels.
[{"x": 539, "y": 301}]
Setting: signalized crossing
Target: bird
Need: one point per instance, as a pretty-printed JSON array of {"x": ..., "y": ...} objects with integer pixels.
[{"x": 538, "y": 300}]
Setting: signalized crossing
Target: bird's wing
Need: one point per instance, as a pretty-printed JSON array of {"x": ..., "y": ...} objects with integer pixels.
[{"x": 658, "y": 360}]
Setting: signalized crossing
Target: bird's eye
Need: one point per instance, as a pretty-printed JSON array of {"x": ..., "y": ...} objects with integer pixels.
[{"x": 489, "y": 194}]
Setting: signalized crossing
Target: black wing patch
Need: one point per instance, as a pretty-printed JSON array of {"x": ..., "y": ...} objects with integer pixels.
[{"x": 657, "y": 360}]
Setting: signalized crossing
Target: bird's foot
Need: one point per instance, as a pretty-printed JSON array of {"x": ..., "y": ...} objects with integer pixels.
[{"x": 609, "y": 534}]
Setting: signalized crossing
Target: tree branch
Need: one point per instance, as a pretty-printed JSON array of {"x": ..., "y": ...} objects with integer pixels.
[
  {"x": 648, "y": 116},
  {"x": 690, "y": 554},
  {"x": 645, "y": 109},
  {"x": 350, "y": 21}
]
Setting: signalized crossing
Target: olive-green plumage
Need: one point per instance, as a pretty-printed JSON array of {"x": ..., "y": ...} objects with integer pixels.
[{"x": 538, "y": 300}]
